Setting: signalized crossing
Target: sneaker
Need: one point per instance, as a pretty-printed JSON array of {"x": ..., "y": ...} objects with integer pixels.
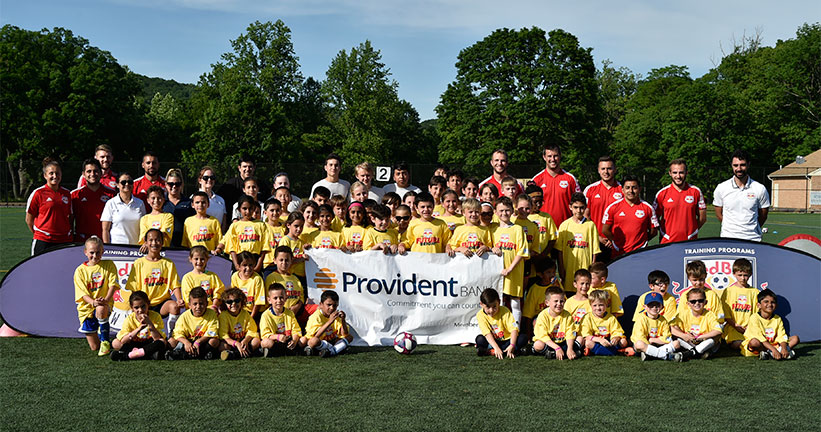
[
  {"x": 549, "y": 354},
  {"x": 174, "y": 354},
  {"x": 644, "y": 356},
  {"x": 118, "y": 355},
  {"x": 158, "y": 355},
  {"x": 308, "y": 351},
  {"x": 226, "y": 355},
  {"x": 324, "y": 352},
  {"x": 523, "y": 352},
  {"x": 266, "y": 352},
  {"x": 629, "y": 351},
  {"x": 791, "y": 355},
  {"x": 491, "y": 352},
  {"x": 105, "y": 348},
  {"x": 690, "y": 353},
  {"x": 707, "y": 354},
  {"x": 209, "y": 355},
  {"x": 678, "y": 357},
  {"x": 765, "y": 355}
]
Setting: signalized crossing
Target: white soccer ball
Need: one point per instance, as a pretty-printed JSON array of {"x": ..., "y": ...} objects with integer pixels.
[{"x": 404, "y": 343}]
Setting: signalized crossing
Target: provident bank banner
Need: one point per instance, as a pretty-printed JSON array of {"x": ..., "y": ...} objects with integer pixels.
[{"x": 433, "y": 296}]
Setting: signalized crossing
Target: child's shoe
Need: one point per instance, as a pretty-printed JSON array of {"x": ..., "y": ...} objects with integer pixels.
[
  {"x": 629, "y": 351},
  {"x": 308, "y": 351},
  {"x": 324, "y": 352},
  {"x": 209, "y": 355},
  {"x": 791, "y": 355},
  {"x": 118, "y": 355},
  {"x": 549, "y": 354},
  {"x": 678, "y": 357},
  {"x": 175, "y": 354},
  {"x": 227, "y": 355},
  {"x": 644, "y": 356},
  {"x": 105, "y": 348},
  {"x": 765, "y": 355}
]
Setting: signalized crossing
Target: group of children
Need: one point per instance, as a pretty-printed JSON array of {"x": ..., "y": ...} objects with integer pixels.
[{"x": 267, "y": 244}]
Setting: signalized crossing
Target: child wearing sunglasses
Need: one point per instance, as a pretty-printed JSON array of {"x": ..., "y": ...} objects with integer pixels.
[
  {"x": 697, "y": 329},
  {"x": 238, "y": 333}
]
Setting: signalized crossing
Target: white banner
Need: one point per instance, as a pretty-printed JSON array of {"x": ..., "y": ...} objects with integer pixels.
[{"x": 433, "y": 296}]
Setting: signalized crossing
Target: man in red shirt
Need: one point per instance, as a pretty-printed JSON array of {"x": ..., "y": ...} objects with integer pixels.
[
  {"x": 680, "y": 206},
  {"x": 498, "y": 160},
  {"x": 557, "y": 184},
  {"x": 601, "y": 194},
  {"x": 87, "y": 202},
  {"x": 105, "y": 156},
  {"x": 152, "y": 177},
  {"x": 629, "y": 223}
]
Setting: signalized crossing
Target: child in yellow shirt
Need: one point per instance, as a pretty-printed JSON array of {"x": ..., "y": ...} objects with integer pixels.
[
  {"x": 251, "y": 283},
  {"x": 470, "y": 238},
  {"x": 141, "y": 335},
  {"x": 238, "y": 333},
  {"x": 325, "y": 237},
  {"x": 157, "y": 277},
  {"x": 601, "y": 330},
  {"x": 450, "y": 205},
  {"x": 651, "y": 331},
  {"x": 554, "y": 334},
  {"x": 294, "y": 290},
  {"x": 535, "y": 302},
  {"x": 197, "y": 332},
  {"x": 247, "y": 234},
  {"x": 577, "y": 242},
  {"x": 356, "y": 223},
  {"x": 697, "y": 277},
  {"x": 381, "y": 236},
  {"x": 765, "y": 335},
  {"x": 202, "y": 229},
  {"x": 276, "y": 230},
  {"x": 198, "y": 256},
  {"x": 739, "y": 306},
  {"x": 428, "y": 234},
  {"x": 326, "y": 331},
  {"x": 281, "y": 334},
  {"x": 598, "y": 280},
  {"x": 658, "y": 282},
  {"x": 94, "y": 284},
  {"x": 499, "y": 335},
  {"x": 578, "y": 306},
  {"x": 697, "y": 329},
  {"x": 156, "y": 219},
  {"x": 510, "y": 242}
]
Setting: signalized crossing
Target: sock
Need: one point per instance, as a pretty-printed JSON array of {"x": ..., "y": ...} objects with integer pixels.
[
  {"x": 103, "y": 329},
  {"x": 340, "y": 346},
  {"x": 325, "y": 345},
  {"x": 684, "y": 344},
  {"x": 516, "y": 309},
  {"x": 667, "y": 349},
  {"x": 136, "y": 353},
  {"x": 172, "y": 322},
  {"x": 654, "y": 351},
  {"x": 599, "y": 349},
  {"x": 704, "y": 346},
  {"x": 179, "y": 347}
]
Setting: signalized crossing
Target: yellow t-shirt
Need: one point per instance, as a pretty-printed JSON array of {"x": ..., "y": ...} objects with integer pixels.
[
  {"x": 438, "y": 210},
  {"x": 535, "y": 302},
  {"x": 547, "y": 228},
  {"x": 770, "y": 330},
  {"x": 615, "y": 306},
  {"x": 740, "y": 303},
  {"x": 578, "y": 243},
  {"x": 156, "y": 278},
  {"x": 201, "y": 232},
  {"x": 251, "y": 236},
  {"x": 696, "y": 326},
  {"x": 607, "y": 326},
  {"x": 453, "y": 221},
  {"x": 645, "y": 328},
  {"x": 237, "y": 327},
  {"x": 668, "y": 311},
  {"x": 94, "y": 281},
  {"x": 531, "y": 234},
  {"x": 326, "y": 240},
  {"x": 577, "y": 309},
  {"x": 192, "y": 327},
  {"x": 337, "y": 224},
  {"x": 284, "y": 323},
  {"x": 293, "y": 288},
  {"x": 130, "y": 324},
  {"x": 511, "y": 240},
  {"x": 428, "y": 236},
  {"x": 163, "y": 222},
  {"x": 500, "y": 325},
  {"x": 557, "y": 329},
  {"x": 306, "y": 233},
  {"x": 275, "y": 234},
  {"x": 714, "y": 304},
  {"x": 254, "y": 289},
  {"x": 354, "y": 236},
  {"x": 297, "y": 247},
  {"x": 209, "y": 281},
  {"x": 470, "y": 237},
  {"x": 374, "y": 237},
  {"x": 317, "y": 320}
]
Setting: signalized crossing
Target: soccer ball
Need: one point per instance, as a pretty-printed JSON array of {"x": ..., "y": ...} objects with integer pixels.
[{"x": 404, "y": 343}]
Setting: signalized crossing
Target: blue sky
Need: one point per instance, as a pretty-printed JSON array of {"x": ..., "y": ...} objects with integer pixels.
[{"x": 419, "y": 40}]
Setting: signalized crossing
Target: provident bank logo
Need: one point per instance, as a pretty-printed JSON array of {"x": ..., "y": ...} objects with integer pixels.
[{"x": 327, "y": 279}]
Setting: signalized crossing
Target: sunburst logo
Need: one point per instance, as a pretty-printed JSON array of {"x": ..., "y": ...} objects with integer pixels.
[{"x": 325, "y": 279}]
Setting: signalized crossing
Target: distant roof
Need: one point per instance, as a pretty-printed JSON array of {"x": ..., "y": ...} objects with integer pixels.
[{"x": 811, "y": 166}]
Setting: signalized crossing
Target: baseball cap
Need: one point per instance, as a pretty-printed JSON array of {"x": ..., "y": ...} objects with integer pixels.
[{"x": 653, "y": 297}]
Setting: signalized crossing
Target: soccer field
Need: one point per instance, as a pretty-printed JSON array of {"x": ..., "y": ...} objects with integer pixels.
[{"x": 60, "y": 384}]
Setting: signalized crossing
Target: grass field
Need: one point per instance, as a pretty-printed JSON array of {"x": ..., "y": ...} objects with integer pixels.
[{"x": 437, "y": 388}]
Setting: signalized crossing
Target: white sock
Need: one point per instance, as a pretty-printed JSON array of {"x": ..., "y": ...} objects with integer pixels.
[
  {"x": 667, "y": 349},
  {"x": 172, "y": 322},
  {"x": 653, "y": 351},
  {"x": 325, "y": 345},
  {"x": 704, "y": 346},
  {"x": 516, "y": 308},
  {"x": 340, "y": 346},
  {"x": 684, "y": 344}
]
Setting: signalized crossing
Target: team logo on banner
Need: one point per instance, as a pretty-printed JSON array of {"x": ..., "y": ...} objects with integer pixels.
[{"x": 720, "y": 270}]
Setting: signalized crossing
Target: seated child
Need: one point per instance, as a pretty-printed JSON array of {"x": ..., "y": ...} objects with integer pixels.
[
  {"x": 658, "y": 281},
  {"x": 237, "y": 330},
  {"x": 294, "y": 291},
  {"x": 765, "y": 335},
  {"x": 545, "y": 269},
  {"x": 738, "y": 303},
  {"x": 598, "y": 274},
  {"x": 280, "y": 330},
  {"x": 555, "y": 335},
  {"x": 141, "y": 335},
  {"x": 197, "y": 332},
  {"x": 697, "y": 277},
  {"x": 696, "y": 328},
  {"x": 651, "y": 331},
  {"x": 500, "y": 334},
  {"x": 578, "y": 305},
  {"x": 327, "y": 331},
  {"x": 94, "y": 284},
  {"x": 200, "y": 277},
  {"x": 601, "y": 330}
]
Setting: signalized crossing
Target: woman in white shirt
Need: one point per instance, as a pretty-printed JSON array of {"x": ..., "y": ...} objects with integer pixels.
[
  {"x": 216, "y": 205},
  {"x": 122, "y": 213}
]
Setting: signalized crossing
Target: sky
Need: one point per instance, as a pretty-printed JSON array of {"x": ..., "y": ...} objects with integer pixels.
[{"x": 419, "y": 40}]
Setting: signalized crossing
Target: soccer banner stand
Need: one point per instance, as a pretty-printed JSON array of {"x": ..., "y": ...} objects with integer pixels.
[{"x": 433, "y": 296}]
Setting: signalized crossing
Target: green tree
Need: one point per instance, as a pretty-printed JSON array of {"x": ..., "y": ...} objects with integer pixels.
[
  {"x": 61, "y": 97},
  {"x": 519, "y": 90},
  {"x": 616, "y": 87}
]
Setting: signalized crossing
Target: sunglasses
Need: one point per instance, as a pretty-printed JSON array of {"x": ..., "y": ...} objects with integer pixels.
[
  {"x": 209, "y": 178},
  {"x": 697, "y": 301},
  {"x": 173, "y": 184},
  {"x": 229, "y": 302},
  {"x": 402, "y": 218},
  {"x": 126, "y": 182}
]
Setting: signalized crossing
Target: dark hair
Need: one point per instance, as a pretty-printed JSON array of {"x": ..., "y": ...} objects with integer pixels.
[
  {"x": 657, "y": 276},
  {"x": 275, "y": 190},
  {"x": 322, "y": 191},
  {"x": 532, "y": 188},
  {"x": 382, "y": 212},
  {"x": 326, "y": 208},
  {"x": 366, "y": 219},
  {"x": 370, "y": 204},
  {"x": 246, "y": 199},
  {"x": 401, "y": 165},
  {"x": 450, "y": 192},
  {"x": 455, "y": 172},
  {"x": 403, "y": 207},
  {"x": 598, "y": 267},
  {"x": 197, "y": 293},
  {"x": 329, "y": 294},
  {"x": 271, "y": 201},
  {"x": 552, "y": 147},
  {"x": 283, "y": 249},
  {"x": 92, "y": 161},
  {"x": 249, "y": 179},
  {"x": 150, "y": 154},
  {"x": 246, "y": 158},
  {"x": 553, "y": 290},
  {"x": 309, "y": 203},
  {"x": 696, "y": 291},
  {"x": 49, "y": 161},
  {"x": 499, "y": 150},
  {"x": 606, "y": 158},
  {"x": 582, "y": 272},
  {"x": 504, "y": 201},
  {"x": 200, "y": 194},
  {"x": 543, "y": 263},
  {"x": 490, "y": 186},
  {"x": 138, "y": 295},
  {"x": 470, "y": 180},
  {"x": 578, "y": 197},
  {"x": 293, "y": 217},
  {"x": 523, "y": 197},
  {"x": 246, "y": 256},
  {"x": 391, "y": 198},
  {"x": 766, "y": 292},
  {"x": 489, "y": 296},
  {"x": 234, "y": 292},
  {"x": 424, "y": 197},
  {"x": 145, "y": 237},
  {"x": 333, "y": 156},
  {"x": 679, "y": 161},
  {"x": 742, "y": 264},
  {"x": 276, "y": 286},
  {"x": 409, "y": 193},
  {"x": 438, "y": 181},
  {"x": 740, "y": 155},
  {"x": 155, "y": 189},
  {"x": 198, "y": 249}
]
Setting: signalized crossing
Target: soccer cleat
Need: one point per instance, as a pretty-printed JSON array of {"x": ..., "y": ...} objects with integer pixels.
[
  {"x": 549, "y": 354},
  {"x": 678, "y": 357},
  {"x": 629, "y": 351},
  {"x": 225, "y": 355},
  {"x": 690, "y": 353},
  {"x": 266, "y": 352},
  {"x": 105, "y": 348},
  {"x": 791, "y": 355},
  {"x": 706, "y": 355},
  {"x": 158, "y": 355},
  {"x": 324, "y": 352},
  {"x": 308, "y": 351},
  {"x": 491, "y": 352},
  {"x": 118, "y": 355},
  {"x": 175, "y": 354},
  {"x": 765, "y": 355},
  {"x": 644, "y": 356},
  {"x": 209, "y": 355}
]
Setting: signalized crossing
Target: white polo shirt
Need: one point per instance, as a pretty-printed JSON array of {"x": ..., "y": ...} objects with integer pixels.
[
  {"x": 740, "y": 208},
  {"x": 393, "y": 187},
  {"x": 339, "y": 188},
  {"x": 124, "y": 218}
]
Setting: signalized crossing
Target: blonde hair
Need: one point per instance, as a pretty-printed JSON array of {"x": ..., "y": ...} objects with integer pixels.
[
  {"x": 174, "y": 172},
  {"x": 364, "y": 166},
  {"x": 471, "y": 204},
  {"x": 599, "y": 295},
  {"x": 93, "y": 240}
]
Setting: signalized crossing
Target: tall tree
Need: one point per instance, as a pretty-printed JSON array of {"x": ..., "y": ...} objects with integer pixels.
[{"x": 519, "y": 90}]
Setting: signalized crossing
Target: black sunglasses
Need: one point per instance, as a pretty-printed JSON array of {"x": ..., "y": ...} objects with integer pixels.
[
  {"x": 126, "y": 182},
  {"x": 402, "y": 218},
  {"x": 209, "y": 178},
  {"x": 697, "y": 301},
  {"x": 229, "y": 302},
  {"x": 173, "y": 184}
]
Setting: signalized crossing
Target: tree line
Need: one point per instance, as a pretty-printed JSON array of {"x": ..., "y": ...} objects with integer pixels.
[{"x": 515, "y": 89}]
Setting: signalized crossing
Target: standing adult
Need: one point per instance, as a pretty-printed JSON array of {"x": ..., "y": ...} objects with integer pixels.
[
  {"x": 499, "y": 163},
  {"x": 629, "y": 223},
  {"x": 401, "y": 181},
  {"x": 679, "y": 206},
  {"x": 177, "y": 204},
  {"x": 601, "y": 194},
  {"x": 232, "y": 189},
  {"x": 122, "y": 213},
  {"x": 152, "y": 177},
  {"x": 557, "y": 185},
  {"x": 741, "y": 203},
  {"x": 337, "y": 186},
  {"x": 282, "y": 180},
  {"x": 88, "y": 201},
  {"x": 216, "y": 205},
  {"x": 365, "y": 173},
  {"x": 105, "y": 156},
  {"x": 48, "y": 211}
]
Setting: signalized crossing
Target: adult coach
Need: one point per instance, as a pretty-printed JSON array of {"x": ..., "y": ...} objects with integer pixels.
[
  {"x": 401, "y": 181},
  {"x": 741, "y": 203},
  {"x": 152, "y": 177},
  {"x": 557, "y": 185},
  {"x": 88, "y": 201},
  {"x": 122, "y": 213},
  {"x": 48, "y": 210},
  {"x": 231, "y": 190},
  {"x": 601, "y": 194},
  {"x": 629, "y": 223},
  {"x": 337, "y": 186},
  {"x": 679, "y": 206},
  {"x": 499, "y": 163},
  {"x": 105, "y": 156}
]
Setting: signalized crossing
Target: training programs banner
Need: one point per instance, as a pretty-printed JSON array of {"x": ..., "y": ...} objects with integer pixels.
[{"x": 433, "y": 296}]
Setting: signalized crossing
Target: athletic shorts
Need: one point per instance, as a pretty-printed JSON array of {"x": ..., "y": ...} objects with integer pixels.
[{"x": 89, "y": 325}]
